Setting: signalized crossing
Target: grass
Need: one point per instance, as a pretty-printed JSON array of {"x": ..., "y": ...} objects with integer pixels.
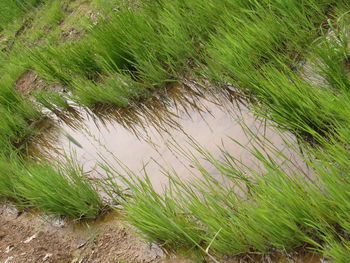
[
  {"x": 262, "y": 48},
  {"x": 258, "y": 53},
  {"x": 61, "y": 189},
  {"x": 15, "y": 9},
  {"x": 282, "y": 210}
]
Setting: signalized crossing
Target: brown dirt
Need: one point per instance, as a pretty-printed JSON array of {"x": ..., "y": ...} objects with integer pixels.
[
  {"x": 29, "y": 237},
  {"x": 30, "y": 82},
  {"x": 69, "y": 31}
]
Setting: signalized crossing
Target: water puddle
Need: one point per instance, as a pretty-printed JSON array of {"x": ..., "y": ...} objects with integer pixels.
[
  {"x": 296, "y": 257},
  {"x": 149, "y": 135}
]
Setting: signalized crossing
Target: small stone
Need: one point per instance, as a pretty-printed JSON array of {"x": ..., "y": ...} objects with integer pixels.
[
  {"x": 47, "y": 256},
  {"x": 156, "y": 250},
  {"x": 30, "y": 238},
  {"x": 9, "y": 249},
  {"x": 8, "y": 259}
]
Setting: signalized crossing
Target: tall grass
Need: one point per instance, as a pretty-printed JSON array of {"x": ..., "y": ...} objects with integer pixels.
[
  {"x": 62, "y": 191},
  {"x": 59, "y": 189},
  {"x": 160, "y": 41},
  {"x": 10, "y": 10},
  {"x": 281, "y": 211},
  {"x": 16, "y": 116},
  {"x": 258, "y": 47},
  {"x": 156, "y": 44}
]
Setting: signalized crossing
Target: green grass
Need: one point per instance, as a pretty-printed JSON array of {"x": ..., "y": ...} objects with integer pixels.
[
  {"x": 62, "y": 191},
  {"x": 282, "y": 210},
  {"x": 58, "y": 189},
  {"x": 127, "y": 43},
  {"x": 260, "y": 52},
  {"x": 130, "y": 49},
  {"x": 14, "y": 9}
]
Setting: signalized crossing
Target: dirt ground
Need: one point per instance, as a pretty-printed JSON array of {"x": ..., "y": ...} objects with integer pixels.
[
  {"x": 28, "y": 237},
  {"x": 31, "y": 237}
]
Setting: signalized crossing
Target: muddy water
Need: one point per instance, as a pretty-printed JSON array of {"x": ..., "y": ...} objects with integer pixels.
[{"x": 149, "y": 136}]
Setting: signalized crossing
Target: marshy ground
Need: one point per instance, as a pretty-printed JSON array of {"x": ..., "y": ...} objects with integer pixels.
[{"x": 219, "y": 131}]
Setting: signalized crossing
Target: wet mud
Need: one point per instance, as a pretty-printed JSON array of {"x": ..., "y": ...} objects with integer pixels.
[{"x": 167, "y": 132}]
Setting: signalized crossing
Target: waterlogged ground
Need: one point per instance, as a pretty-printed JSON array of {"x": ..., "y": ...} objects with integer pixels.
[
  {"x": 160, "y": 134},
  {"x": 171, "y": 131}
]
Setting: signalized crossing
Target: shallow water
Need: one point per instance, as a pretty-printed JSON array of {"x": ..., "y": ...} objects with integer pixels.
[{"x": 156, "y": 135}]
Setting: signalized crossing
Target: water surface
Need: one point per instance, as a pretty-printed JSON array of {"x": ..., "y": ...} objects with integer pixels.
[{"x": 155, "y": 134}]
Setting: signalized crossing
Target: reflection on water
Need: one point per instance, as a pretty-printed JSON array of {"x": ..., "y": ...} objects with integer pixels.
[
  {"x": 147, "y": 134},
  {"x": 295, "y": 257}
]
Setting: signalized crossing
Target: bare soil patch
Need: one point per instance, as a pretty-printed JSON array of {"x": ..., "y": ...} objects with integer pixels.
[
  {"x": 29, "y": 237},
  {"x": 30, "y": 82}
]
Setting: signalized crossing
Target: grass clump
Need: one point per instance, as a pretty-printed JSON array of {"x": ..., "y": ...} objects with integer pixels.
[
  {"x": 152, "y": 45},
  {"x": 59, "y": 190},
  {"x": 62, "y": 191}
]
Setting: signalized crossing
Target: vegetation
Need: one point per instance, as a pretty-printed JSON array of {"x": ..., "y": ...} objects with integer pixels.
[
  {"x": 59, "y": 190},
  {"x": 261, "y": 48},
  {"x": 56, "y": 188},
  {"x": 14, "y": 9}
]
